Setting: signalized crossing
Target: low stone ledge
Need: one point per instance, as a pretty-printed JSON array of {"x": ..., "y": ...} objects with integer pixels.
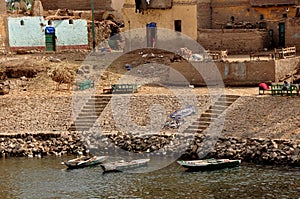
[
  {"x": 255, "y": 150},
  {"x": 40, "y": 144}
]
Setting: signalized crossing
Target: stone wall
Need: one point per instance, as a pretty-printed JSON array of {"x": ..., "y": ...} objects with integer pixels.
[
  {"x": 292, "y": 35},
  {"x": 3, "y": 28},
  {"x": 75, "y": 4},
  {"x": 3, "y": 34},
  {"x": 2, "y": 6},
  {"x": 234, "y": 40},
  {"x": 285, "y": 66},
  {"x": 222, "y": 10},
  {"x": 204, "y": 17}
]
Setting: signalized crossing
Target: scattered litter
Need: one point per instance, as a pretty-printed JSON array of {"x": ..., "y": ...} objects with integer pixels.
[
  {"x": 180, "y": 114},
  {"x": 144, "y": 55},
  {"x": 184, "y": 52},
  {"x": 196, "y": 57},
  {"x": 52, "y": 59},
  {"x": 191, "y": 86},
  {"x": 177, "y": 117},
  {"x": 128, "y": 67},
  {"x": 173, "y": 124}
]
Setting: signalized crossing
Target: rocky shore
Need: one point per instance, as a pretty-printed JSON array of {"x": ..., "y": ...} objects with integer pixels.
[
  {"x": 40, "y": 144},
  {"x": 255, "y": 150}
]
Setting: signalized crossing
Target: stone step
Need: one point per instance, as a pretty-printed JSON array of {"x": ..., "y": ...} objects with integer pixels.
[
  {"x": 96, "y": 103},
  {"x": 230, "y": 96},
  {"x": 214, "y": 111},
  {"x": 211, "y": 115},
  {"x": 203, "y": 123},
  {"x": 218, "y": 107},
  {"x": 101, "y": 97},
  {"x": 223, "y": 103},
  {"x": 84, "y": 122},
  {"x": 207, "y": 119},
  {"x": 87, "y": 116},
  {"x": 92, "y": 110},
  {"x": 79, "y": 128},
  {"x": 192, "y": 131},
  {"x": 201, "y": 127}
]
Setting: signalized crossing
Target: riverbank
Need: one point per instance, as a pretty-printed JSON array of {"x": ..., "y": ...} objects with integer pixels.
[{"x": 260, "y": 129}]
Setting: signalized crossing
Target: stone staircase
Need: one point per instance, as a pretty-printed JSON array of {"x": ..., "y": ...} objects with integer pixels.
[
  {"x": 211, "y": 114},
  {"x": 90, "y": 113}
]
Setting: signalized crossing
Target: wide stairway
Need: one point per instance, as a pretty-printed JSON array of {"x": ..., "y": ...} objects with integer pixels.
[
  {"x": 211, "y": 114},
  {"x": 90, "y": 113}
]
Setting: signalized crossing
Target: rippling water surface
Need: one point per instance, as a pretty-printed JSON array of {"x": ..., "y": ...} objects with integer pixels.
[{"x": 47, "y": 178}]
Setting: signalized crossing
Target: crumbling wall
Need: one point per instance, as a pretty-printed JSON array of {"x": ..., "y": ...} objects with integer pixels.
[
  {"x": 102, "y": 32},
  {"x": 2, "y": 6},
  {"x": 234, "y": 40},
  {"x": 3, "y": 34},
  {"x": 76, "y": 4},
  {"x": 292, "y": 35},
  {"x": 204, "y": 17},
  {"x": 3, "y": 28}
]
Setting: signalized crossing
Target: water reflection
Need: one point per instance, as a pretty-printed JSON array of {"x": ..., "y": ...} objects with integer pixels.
[{"x": 47, "y": 178}]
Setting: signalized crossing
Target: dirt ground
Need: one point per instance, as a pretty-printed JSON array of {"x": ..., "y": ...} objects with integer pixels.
[
  {"x": 246, "y": 117},
  {"x": 27, "y": 73}
]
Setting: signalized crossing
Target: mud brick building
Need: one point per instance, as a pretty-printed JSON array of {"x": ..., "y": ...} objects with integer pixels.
[
  {"x": 241, "y": 26},
  {"x": 76, "y": 4}
]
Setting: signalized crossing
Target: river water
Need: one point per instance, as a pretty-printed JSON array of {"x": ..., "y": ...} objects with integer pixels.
[{"x": 47, "y": 178}]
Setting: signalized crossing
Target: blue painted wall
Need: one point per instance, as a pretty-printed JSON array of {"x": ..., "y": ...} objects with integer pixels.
[{"x": 32, "y": 32}]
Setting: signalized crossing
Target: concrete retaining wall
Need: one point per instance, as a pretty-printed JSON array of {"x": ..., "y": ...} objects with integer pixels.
[{"x": 247, "y": 73}]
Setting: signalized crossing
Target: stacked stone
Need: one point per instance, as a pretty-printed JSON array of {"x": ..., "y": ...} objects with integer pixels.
[{"x": 40, "y": 144}]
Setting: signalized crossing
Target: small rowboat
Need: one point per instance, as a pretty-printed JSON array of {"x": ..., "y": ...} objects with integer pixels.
[
  {"x": 84, "y": 161},
  {"x": 122, "y": 165},
  {"x": 209, "y": 164}
]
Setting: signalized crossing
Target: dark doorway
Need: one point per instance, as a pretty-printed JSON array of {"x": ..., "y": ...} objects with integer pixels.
[
  {"x": 271, "y": 39},
  {"x": 281, "y": 28},
  {"x": 177, "y": 25},
  {"x": 50, "y": 39}
]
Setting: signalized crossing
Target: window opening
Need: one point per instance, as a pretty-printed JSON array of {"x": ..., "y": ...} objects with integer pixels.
[{"x": 177, "y": 24}]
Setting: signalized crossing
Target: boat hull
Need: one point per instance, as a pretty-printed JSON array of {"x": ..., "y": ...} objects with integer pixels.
[
  {"x": 81, "y": 163},
  {"x": 207, "y": 165},
  {"x": 123, "y": 166}
]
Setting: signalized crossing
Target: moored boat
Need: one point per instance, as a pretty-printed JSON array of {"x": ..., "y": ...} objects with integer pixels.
[
  {"x": 209, "y": 164},
  {"x": 84, "y": 161},
  {"x": 119, "y": 166}
]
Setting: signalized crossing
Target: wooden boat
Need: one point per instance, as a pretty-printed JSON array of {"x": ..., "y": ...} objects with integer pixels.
[
  {"x": 84, "y": 161},
  {"x": 123, "y": 165},
  {"x": 209, "y": 164}
]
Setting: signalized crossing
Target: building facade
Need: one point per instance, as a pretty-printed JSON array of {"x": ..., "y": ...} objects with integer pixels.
[
  {"x": 177, "y": 15},
  {"x": 36, "y": 33}
]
